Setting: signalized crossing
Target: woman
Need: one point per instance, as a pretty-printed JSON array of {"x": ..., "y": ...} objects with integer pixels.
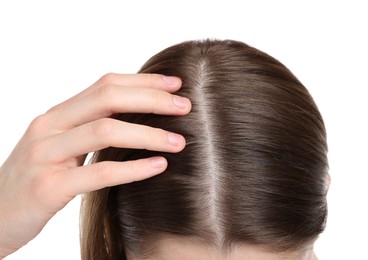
[
  {"x": 251, "y": 182},
  {"x": 45, "y": 170}
]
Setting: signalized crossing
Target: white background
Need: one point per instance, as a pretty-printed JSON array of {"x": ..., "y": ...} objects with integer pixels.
[{"x": 51, "y": 50}]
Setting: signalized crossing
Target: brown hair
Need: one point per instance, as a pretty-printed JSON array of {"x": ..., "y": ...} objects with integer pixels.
[{"x": 254, "y": 170}]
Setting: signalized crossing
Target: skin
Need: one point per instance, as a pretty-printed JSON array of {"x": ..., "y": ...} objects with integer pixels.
[
  {"x": 45, "y": 170},
  {"x": 190, "y": 249}
]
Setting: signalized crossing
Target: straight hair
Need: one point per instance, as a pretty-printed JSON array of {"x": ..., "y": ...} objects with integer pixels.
[{"x": 254, "y": 170}]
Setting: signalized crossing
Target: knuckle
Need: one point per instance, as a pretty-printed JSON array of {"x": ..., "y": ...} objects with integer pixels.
[
  {"x": 107, "y": 173},
  {"x": 37, "y": 124},
  {"x": 159, "y": 97},
  {"x": 152, "y": 134},
  {"x": 106, "y": 92},
  {"x": 131, "y": 168},
  {"x": 103, "y": 172},
  {"x": 152, "y": 137},
  {"x": 108, "y": 79},
  {"x": 100, "y": 169},
  {"x": 153, "y": 79},
  {"x": 102, "y": 128}
]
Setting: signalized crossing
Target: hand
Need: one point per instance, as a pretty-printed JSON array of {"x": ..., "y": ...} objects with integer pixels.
[{"x": 45, "y": 170}]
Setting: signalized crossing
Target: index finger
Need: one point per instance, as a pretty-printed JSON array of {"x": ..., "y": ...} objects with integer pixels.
[
  {"x": 114, "y": 93},
  {"x": 144, "y": 80}
]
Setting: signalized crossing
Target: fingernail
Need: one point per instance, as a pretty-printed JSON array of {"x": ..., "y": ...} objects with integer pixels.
[
  {"x": 157, "y": 162},
  {"x": 174, "y": 139},
  {"x": 180, "y": 102},
  {"x": 171, "y": 80}
]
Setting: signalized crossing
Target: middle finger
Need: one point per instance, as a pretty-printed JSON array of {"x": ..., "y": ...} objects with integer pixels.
[{"x": 108, "y": 132}]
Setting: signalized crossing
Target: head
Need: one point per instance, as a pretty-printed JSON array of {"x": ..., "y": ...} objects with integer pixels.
[{"x": 252, "y": 177}]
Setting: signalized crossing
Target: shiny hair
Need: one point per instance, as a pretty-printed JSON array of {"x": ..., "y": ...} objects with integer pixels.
[{"x": 254, "y": 170}]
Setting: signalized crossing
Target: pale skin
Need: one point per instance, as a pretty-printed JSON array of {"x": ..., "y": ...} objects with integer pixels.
[
  {"x": 45, "y": 170},
  {"x": 183, "y": 248}
]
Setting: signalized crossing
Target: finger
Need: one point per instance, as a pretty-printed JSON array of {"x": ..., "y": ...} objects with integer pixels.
[
  {"x": 110, "y": 132},
  {"x": 105, "y": 174},
  {"x": 170, "y": 84},
  {"x": 109, "y": 99},
  {"x": 116, "y": 99}
]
